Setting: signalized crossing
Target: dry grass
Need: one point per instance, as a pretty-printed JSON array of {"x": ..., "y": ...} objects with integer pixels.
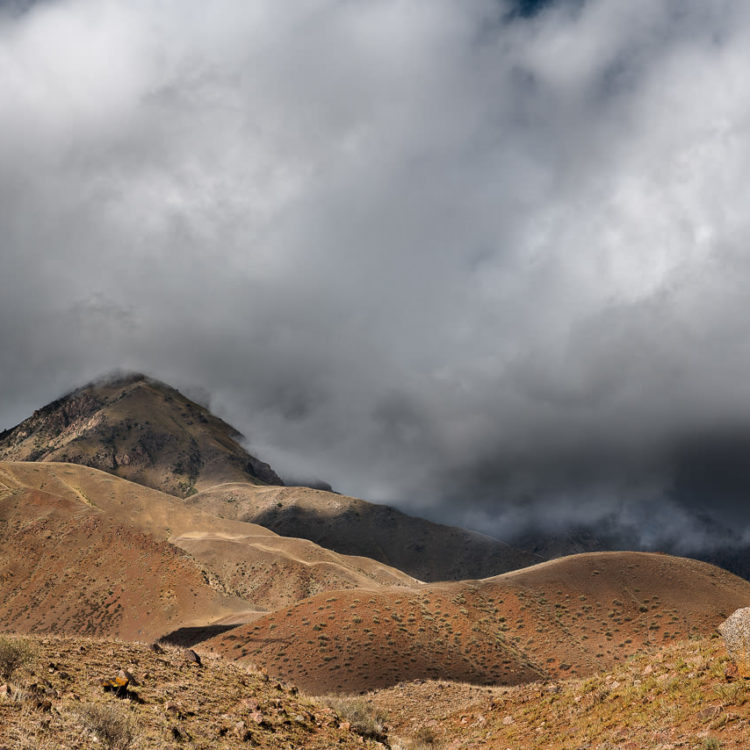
[
  {"x": 366, "y": 720},
  {"x": 14, "y": 653},
  {"x": 176, "y": 704},
  {"x": 111, "y": 724},
  {"x": 673, "y": 698}
]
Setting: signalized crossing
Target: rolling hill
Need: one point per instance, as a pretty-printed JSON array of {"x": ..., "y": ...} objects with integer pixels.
[
  {"x": 84, "y": 551},
  {"x": 567, "y": 617},
  {"x": 426, "y": 550}
]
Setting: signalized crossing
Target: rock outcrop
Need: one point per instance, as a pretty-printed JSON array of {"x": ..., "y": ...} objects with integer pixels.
[{"x": 736, "y": 633}]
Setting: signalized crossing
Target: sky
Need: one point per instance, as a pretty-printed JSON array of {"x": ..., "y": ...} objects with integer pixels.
[{"x": 487, "y": 262}]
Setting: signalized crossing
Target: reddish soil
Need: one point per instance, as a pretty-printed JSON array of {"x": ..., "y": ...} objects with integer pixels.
[
  {"x": 564, "y": 618},
  {"x": 82, "y": 551},
  {"x": 66, "y": 568}
]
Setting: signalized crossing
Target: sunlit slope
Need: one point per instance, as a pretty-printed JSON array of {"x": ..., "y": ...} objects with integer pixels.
[
  {"x": 143, "y": 430},
  {"x": 86, "y": 516},
  {"x": 67, "y": 567},
  {"x": 567, "y": 617}
]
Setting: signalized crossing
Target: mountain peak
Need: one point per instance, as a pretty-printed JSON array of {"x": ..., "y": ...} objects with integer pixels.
[{"x": 139, "y": 428}]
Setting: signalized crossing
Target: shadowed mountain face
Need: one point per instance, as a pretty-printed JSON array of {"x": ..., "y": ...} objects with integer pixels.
[
  {"x": 428, "y": 551},
  {"x": 141, "y": 430}
]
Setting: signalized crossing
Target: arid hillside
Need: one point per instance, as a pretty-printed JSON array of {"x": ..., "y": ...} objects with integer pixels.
[
  {"x": 140, "y": 429},
  {"x": 428, "y": 551},
  {"x": 82, "y": 551},
  {"x": 66, "y": 568},
  {"x": 56, "y": 702},
  {"x": 674, "y": 697},
  {"x": 143, "y": 430},
  {"x": 568, "y": 617}
]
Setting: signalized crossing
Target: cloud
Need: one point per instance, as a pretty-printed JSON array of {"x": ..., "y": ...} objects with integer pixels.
[{"x": 490, "y": 266}]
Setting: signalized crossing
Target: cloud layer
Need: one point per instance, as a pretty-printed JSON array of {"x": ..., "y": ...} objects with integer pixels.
[{"x": 490, "y": 267}]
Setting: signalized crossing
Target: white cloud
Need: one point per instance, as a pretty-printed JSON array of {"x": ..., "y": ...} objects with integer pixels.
[{"x": 397, "y": 240}]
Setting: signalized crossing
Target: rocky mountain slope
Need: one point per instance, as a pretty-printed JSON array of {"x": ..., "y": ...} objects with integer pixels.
[
  {"x": 139, "y": 429},
  {"x": 674, "y": 696}
]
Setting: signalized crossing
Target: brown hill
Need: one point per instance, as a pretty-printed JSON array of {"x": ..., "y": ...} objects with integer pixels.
[
  {"x": 83, "y": 551},
  {"x": 566, "y": 617},
  {"x": 57, "y": 703},
  {"x": 139, "y": 429},
  {"x": 65, "y": 567},
  {"x": 428, "y": 551},
  {"x": 145, "y": 431}
]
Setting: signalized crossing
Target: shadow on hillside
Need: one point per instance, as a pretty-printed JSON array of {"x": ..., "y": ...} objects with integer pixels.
[{"x": 188, "y": 637}]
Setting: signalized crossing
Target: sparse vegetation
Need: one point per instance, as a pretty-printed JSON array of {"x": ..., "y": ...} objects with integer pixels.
[
  {"x": 14, "y": 653},
  {"x": 673, "y": 697},
  {"x": 365, "y": 720},
  {"x": 425, "y": 738},
  {"x": 219, "y": 705},
  {"x": 111, "y": 724}
]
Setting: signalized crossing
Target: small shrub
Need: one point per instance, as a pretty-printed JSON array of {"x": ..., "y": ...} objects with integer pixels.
[
  {"x": 110, "y": 724},
  {"x": 14, "y": 653},
  {"x": 424, "y": 738},
  {"x": 365, "y": 720}
]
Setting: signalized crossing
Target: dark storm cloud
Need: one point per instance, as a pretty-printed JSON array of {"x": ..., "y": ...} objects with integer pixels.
[{"x": 489, "y": 265}]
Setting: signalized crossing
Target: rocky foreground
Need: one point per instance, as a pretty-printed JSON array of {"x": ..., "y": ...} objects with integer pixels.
[
  {"x": 164, "y": 698},
  {"x": 684, "y": 696},
  {"x": 87, "y": 693}
]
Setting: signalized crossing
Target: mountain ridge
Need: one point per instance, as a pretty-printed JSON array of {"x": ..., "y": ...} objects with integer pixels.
[
  {"x": 138, "y": 428},
  {"x": 143, "y": 430}
]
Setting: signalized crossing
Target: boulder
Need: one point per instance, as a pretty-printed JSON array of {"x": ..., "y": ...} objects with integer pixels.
[
  {"x": 736, "y": 633},
  {"x": 191, "y": 657},
  {"x": 127, "y": 677}
]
